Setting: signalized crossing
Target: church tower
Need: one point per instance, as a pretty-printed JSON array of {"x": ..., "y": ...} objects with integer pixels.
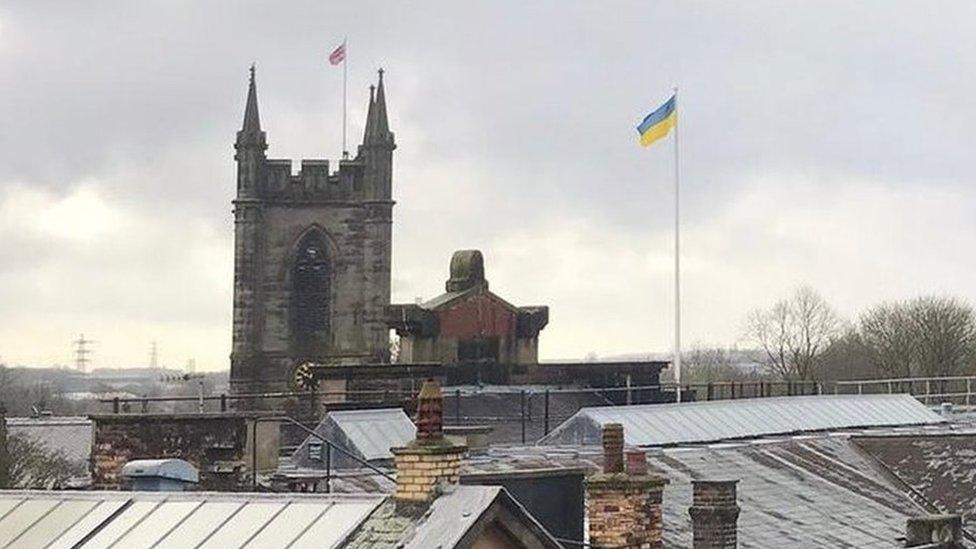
[{"x": 312, "y": 254}]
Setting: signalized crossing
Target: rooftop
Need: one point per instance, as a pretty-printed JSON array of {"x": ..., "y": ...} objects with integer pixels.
[
  {"x": 228, "y": 520},
  {"x": 712, "y": 421},
  {"x": 368, "y": 434}
]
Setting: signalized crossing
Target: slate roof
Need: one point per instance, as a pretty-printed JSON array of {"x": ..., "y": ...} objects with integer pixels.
[
  {"x": 818, "y": 490},
  {"x": 699, "y": 422},
  {"x": 807, "y": 491},
  {"x": 70, "y": 435},
  {"x": 450, "y": 521},
  {"x": 798, "y": 493},
  {"x": 941, "y": 468}
]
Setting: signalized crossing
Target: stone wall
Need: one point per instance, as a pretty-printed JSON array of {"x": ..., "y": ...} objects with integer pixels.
[{"x": 220, "y": 446}]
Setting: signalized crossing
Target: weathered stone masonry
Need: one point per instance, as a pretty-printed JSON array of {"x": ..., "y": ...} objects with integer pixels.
[{"x": 312, "y": 255}]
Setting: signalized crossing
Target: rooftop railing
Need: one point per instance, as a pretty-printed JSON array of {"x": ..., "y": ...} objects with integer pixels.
[{"x": 928, "y": 390}]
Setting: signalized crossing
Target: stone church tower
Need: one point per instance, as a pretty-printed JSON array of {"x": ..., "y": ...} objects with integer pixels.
[{"x": 312, "y": 254}]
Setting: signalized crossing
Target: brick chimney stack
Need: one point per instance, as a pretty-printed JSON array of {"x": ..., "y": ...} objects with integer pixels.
[
  {"x": 624, "y": 507},
  {"x": 430, "y": 412},
  {"x": 714, "y": 514},
  {"x": 430, "y": 460},
  {"x": 613, "y": 448}
]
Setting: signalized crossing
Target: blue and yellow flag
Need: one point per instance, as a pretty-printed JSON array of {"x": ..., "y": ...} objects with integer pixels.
[{"x": 657, "y": 124}]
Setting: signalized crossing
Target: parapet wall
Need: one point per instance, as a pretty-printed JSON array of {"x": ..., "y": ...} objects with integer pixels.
[
  {"x": 313, "y": 181},
  {"x": 218, "y": 445}
]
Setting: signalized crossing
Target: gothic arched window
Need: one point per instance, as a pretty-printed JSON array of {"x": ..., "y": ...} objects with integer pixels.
[{"x": 310, "y": 293}]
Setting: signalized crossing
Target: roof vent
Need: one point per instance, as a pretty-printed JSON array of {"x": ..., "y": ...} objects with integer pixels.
[
  {"x": 946, "y": 409},
  {"x": 160, "y": 475}
]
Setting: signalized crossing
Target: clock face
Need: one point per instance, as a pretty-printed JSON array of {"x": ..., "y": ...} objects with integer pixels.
[{"x": 303, "y": 378}]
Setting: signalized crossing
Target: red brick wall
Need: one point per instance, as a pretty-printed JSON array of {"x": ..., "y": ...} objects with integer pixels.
[
  {"x": 216, "y": 445},
  {"x": 478, "y": 316}
]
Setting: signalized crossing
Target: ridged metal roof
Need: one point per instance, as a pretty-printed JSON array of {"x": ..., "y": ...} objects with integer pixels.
[
  {"x": 367, "y": 434},
  {"x": 178, "y": 520},
  {"x": 700, "y": 422},
  {"x": 374, "y": 432}
]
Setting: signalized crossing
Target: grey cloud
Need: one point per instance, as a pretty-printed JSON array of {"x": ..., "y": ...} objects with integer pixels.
[{"x": 512, "y": 119}]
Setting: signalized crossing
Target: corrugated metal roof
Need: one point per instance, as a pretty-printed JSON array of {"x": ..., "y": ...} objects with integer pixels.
[
  {"x": 368, "y": 434},
  {"x": 374, "y": 432},
  {"x": 698, "y": 422},
  {"x": 178, "y": 520}
]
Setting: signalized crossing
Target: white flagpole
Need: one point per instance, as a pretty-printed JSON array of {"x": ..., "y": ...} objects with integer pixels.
[
  {"x": 677, "y": 255},
  {"x": 345, "y": 62}
]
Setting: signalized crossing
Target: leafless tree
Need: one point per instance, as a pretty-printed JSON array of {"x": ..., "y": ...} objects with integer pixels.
[
  {"x": 926, "y": 336},
  {"x": 33, "y": 465},
  {"x": 794, "y": 333},
  {"x": 847, "y": 358},
  {"x": 889, "y": 337},
  {"x": 945, "y": 332},
  {"x": 710, "y": 364}
]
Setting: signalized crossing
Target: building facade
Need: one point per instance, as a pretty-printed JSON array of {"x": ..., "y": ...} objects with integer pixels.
[
  {"x": 312, "y": 254},
  {"x": 468, "y": 324}
]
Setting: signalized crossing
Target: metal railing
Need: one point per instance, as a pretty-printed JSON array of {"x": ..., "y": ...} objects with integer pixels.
[
  {"x": 526, "y": 414},
  {"x": 929, "y": 390}
]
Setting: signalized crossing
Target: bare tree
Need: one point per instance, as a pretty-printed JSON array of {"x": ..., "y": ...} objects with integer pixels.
[
  {"x": 33, "y": 465},
  {"x": 847, "y": 358},
  {"x": 889, "y": 337},
  {"x": 945, "y": 331},
  {"x": 794, "y": 333},
  {"x": 710, "y": 364},
  {"x": 926, "y": 336}
]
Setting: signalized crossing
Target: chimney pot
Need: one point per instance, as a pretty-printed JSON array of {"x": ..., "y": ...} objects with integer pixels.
[
  {"x": 636, "y": 462},
  {"x": 431, "y": 461},
  {"x": 430, "y": 412},
  {"x": 613, "y": 448}
]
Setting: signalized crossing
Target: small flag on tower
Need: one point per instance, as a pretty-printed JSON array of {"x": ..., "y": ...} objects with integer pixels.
[
  {"x": 338, "y": 55},
  {"x": 657, "y": 124}
]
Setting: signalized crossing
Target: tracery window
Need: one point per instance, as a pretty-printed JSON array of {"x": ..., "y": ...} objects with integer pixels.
[{"x": 310, "y": 293}]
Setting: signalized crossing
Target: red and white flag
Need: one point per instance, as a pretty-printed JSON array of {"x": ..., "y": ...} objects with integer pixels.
[{"x": 338, "y": 55}]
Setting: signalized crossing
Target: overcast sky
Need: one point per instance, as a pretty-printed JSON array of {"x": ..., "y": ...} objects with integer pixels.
[{"x": 822, "y": 143}]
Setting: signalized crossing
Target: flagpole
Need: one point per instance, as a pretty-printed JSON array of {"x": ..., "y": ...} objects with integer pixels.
[
  {"x": 677, "y": 255},
  {"x": 345, "y": 62}
]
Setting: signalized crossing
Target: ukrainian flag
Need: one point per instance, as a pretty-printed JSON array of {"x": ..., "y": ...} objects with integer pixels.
[{"x": 657, "y": 124}]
